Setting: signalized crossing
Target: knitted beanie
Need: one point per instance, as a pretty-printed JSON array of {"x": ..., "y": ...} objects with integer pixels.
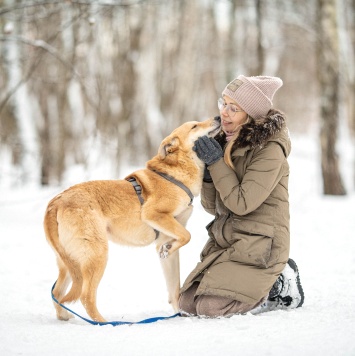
[{"x": 253, "y": 94}]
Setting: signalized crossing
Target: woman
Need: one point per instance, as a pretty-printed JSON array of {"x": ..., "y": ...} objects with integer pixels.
[{"x": 244, "y": 264}]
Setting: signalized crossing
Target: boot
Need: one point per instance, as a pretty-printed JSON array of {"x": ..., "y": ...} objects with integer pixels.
[{"x": 286, "y": 293}]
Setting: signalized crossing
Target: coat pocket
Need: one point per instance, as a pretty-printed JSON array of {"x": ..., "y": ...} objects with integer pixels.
[
  {"x": 251, "y": 249},
  {"x": 252, "y": 243}
]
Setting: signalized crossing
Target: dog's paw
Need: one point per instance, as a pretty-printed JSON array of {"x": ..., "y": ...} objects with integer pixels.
[
  {"x": 64, "y": 315},
  {"x": 164, "y": 251}
]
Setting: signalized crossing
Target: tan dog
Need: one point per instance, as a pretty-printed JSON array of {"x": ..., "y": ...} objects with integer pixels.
[{"x": 79, "y": 222}]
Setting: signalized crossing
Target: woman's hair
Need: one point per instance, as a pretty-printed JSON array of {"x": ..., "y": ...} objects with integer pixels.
[{"x": 230, "y": 143}]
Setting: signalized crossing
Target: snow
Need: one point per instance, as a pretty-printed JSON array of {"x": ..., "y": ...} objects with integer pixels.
[{"x": 133, "y": 288}]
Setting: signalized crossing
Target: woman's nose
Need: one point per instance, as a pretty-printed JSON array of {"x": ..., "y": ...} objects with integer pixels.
[{"x": 224, "y": 111}]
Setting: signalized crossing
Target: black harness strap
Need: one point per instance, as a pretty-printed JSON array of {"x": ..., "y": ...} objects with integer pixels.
[
  {"x": 138, "y": 190},
  {"x": 178, "y": 183}
]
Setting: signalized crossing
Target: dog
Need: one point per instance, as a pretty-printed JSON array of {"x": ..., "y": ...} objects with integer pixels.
[{"x": 150, "y": 205}]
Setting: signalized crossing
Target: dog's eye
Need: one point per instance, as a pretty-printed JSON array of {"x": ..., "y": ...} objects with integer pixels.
[{"x": 193, "y": 127}]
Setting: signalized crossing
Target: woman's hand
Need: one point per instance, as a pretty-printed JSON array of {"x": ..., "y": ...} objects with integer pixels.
[{"x": 208, "y": 150}]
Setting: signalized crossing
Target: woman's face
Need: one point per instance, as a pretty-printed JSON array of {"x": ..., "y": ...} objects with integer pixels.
[{"x": 232, "y": 114}]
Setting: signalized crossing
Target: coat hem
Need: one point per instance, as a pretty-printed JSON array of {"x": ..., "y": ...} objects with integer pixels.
[{"x": 227, "y": 294}]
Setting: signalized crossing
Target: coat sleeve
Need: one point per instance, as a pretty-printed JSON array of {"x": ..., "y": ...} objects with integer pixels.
[
  {"x": 260, "y": 178},
  {"x": 208, "y": 197}
]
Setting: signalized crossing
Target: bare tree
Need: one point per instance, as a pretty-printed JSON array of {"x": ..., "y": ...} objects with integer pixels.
[
  {"x": 16, "y": 129},
  {"x": 352, "y": 82},
  {"x": 328, "y": 76},
  {"x": 259, "y": 45}
]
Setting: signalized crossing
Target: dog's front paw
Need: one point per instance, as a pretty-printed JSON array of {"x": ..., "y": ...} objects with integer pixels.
[{"x": 164, "y": 251}]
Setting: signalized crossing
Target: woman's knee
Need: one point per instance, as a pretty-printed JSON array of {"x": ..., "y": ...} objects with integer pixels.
[
  {"x": 187, "y": 301},
  {"x": 210, "y": 306},
  {"x": 215, "y": 306}
]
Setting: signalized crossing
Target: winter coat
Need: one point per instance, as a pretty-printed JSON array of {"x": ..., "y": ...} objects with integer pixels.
[{"x": 248, "y": 244}]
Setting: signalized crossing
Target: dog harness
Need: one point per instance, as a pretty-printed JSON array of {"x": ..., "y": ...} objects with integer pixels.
[{"x": 137, "y": 188}]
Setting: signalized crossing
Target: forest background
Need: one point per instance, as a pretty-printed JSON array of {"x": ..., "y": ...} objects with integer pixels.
[{"x": 98, "y": 84}]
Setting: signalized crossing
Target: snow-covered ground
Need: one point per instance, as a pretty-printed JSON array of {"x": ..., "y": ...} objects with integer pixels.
[{"x": 322, "y": 244}]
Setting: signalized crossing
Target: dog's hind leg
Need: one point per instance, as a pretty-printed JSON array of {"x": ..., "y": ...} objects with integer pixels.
[
  {"x": 77, "y": 279},
  {"x": 92, "y": 272},
  {"x": 60, "y": 289}
]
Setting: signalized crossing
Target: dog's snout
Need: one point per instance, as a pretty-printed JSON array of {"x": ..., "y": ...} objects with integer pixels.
[{"x": 216, "y": 126}]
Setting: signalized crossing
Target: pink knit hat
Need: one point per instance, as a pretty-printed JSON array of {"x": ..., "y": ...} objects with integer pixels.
[{"x": 253, "y": 94}]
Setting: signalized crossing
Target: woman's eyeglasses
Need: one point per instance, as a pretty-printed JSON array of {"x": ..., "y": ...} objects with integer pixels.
[{"x": 231, "y": 108}]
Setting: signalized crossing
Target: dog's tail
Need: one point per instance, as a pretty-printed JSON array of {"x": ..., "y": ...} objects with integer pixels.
[{"x": 66, "y": 264}]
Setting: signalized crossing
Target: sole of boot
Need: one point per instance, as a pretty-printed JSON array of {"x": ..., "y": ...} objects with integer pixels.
[{"x": 293, "y": 265}]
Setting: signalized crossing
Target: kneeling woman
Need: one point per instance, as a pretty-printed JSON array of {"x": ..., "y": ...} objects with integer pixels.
[{"x": 244, "y": 264}]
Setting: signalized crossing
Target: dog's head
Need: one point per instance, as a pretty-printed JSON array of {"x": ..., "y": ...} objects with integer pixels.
[{"x": 183, "y": 138}]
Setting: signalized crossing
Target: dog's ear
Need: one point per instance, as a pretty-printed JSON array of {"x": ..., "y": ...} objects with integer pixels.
[{"x": 168, "y": 146}]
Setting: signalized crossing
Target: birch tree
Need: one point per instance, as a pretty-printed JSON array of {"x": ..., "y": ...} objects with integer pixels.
[
  {"x": 328, "y": 76},
  {"x": 16, "y": 129}
]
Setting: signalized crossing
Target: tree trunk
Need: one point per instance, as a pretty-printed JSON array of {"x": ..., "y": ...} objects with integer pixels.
[
  {"x": 352, "y": 117},
  {"x": 259, "y": 49},
  {"x": 328, "y": 76}
]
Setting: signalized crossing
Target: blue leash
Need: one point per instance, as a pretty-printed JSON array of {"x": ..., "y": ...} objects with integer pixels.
[{"x": 114, "y": 323}]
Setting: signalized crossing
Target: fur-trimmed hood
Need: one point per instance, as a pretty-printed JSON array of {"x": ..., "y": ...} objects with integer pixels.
[{"x": 257, "y": 133}]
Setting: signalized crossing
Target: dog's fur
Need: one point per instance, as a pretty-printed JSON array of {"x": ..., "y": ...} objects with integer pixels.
[{"x": 79, "y": 222}]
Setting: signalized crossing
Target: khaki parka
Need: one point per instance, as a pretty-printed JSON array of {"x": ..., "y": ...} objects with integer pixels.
[{"x": 248, "y": 244}]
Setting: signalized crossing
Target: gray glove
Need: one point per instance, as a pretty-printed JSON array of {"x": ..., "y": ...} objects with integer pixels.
[{"x": 208, "y": 150}]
